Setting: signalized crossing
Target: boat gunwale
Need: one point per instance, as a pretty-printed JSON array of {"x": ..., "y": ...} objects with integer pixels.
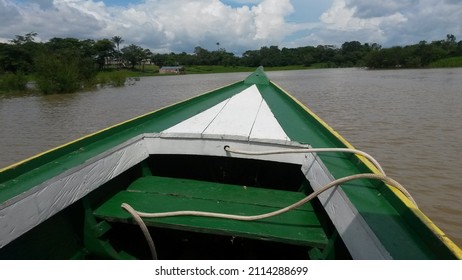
[
  {"x": 141, "y": 147},
  {"x": 408, "y": 204}
]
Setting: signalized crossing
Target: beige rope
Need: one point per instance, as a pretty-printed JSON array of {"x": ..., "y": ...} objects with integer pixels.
[{"x": 310, "y": 150}]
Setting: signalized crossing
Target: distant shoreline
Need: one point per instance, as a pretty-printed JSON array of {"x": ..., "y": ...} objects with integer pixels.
[
  {"x": 120, "y": 77},
  {"x": 152, "y": 70}
]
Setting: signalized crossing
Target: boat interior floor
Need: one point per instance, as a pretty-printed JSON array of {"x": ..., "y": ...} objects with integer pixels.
[
  {"x": 296, "y": 229},
  {"x": 159, "y": 194},
  {"x": 166, "y": 183}
]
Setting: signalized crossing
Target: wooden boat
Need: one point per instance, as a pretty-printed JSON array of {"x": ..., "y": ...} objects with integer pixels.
[{"x": 242, "y": 172}]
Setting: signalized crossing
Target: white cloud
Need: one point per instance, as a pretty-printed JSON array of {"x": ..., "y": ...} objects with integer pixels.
[
  {"x": 391, "y": 22},
  {"x": 341, "y": 17},
  {"x": 174, "y": 25},
  {"x": 8, "y": 12},
  {"x": 270, "y": 18},
  {"x": 238, "y": 25},
  {"x": 380, "y": 8}
]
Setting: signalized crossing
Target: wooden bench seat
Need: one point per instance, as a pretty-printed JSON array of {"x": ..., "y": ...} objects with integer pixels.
[{"x": 161, "y": 194}]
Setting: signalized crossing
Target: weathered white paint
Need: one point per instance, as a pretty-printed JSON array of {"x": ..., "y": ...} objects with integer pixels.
[
  {"x": 266, "y": 126},
  {"x": 23, "y": 212},
  {"x": 31, "y": 208},
  {"x": 197, "y": 124},
  {"x": 190, "y": 145},
  {"x": 351, "y": 226},
  {"x": 245, "y": 115},
  {"x": 237, "y": 117}
]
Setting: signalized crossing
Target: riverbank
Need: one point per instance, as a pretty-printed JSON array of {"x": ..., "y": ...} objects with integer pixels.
[
  {"x": 117, "y": 77},
  {"x": 153, "y": 70},
  {"x": 10, "y": 83}
]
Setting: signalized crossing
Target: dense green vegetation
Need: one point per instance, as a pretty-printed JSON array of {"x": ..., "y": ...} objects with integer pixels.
[
  {"x": 350, "y": 54},
  {"x": 447, "y": 62},
  {"x": 64, "y": 65}
]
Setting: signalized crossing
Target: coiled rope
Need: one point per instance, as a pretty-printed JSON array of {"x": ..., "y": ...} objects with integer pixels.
[{"x": 137, "y": 215}]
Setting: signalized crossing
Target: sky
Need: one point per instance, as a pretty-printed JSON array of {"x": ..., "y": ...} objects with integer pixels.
[{"x": 165, "y": 26}]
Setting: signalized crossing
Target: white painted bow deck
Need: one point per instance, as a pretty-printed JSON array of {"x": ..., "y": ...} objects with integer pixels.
[{"x": 244, "y": 116}]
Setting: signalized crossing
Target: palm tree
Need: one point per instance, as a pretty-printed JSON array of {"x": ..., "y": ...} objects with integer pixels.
[{"x": 117, "y": 40}]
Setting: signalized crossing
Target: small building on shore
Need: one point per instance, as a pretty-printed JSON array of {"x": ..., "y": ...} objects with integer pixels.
[{"x": 171, "y": 70}]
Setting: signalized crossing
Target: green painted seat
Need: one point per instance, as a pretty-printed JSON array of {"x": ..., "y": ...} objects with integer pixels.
[{"x": 161, "y": 194}]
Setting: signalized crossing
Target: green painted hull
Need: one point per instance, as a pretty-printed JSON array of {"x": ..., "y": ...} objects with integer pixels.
[{"x": 90, "y": 224}]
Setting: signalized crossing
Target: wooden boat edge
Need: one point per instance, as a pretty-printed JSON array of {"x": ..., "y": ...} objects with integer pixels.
[{"x": 456, "y": 250}]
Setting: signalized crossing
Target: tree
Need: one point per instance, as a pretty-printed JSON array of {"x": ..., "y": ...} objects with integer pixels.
[
  {"x": 353, "y": 46},
  {"x": 14, "y": 59},
  {"x": 375, "y": 47},
  {"x": 184, "y": 59},
  {"x": 133, "y": 54},
  {"x": 251, "y": 58},
  {"x": 104, "y": 50},
  {"x": 63, "y": 71},
  {"x": 203, "y": 56},
  {"x": 270, "y": 56},
  {"x": 28, "y": 38},
  {"x": 386, "y": 58},
  {"x": 18, "y": 56},
  {"x": 117, "y": 40},
  {"x": 450, "y": 39},
  {"x": 450, "y": 45},
  {"x": 147, "y": 54},
  {"x": 159, "y": 59}
]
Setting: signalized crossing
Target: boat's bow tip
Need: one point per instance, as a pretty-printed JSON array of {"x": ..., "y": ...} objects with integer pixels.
[{"x": 257, "y": 78}]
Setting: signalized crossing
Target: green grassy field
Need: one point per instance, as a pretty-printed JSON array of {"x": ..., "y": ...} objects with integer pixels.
[
  {"x": 117, "y": 77},
  {"x": 447, "y": 62}
]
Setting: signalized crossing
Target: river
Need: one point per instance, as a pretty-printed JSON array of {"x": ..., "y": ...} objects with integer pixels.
[{"x": 409, "y": 120}]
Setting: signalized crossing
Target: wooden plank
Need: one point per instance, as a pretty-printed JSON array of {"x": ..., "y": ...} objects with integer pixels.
[
  {"x": 237, "y": 117},
  {"x": 266, "y": 126},
  {"x": 245, "y": 116},
  {"x": 196, "y": 124},
  {"x": 218, "y": 191},
  {"x": 294, "y": 227}
]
